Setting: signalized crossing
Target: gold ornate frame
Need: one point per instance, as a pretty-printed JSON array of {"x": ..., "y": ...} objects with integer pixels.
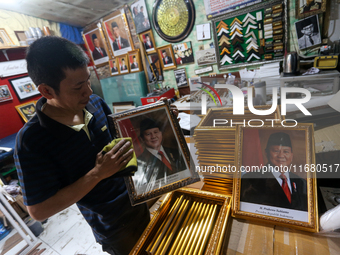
[
  {"x": 313, "y": 223},
  {"x": 300, "y": 15},
  {"x": 147, "y": 111},
  {"x": 159, "y": 51},
  {"x": 92, "y": 29},
  {"x": 218, "y": 232},
  {"x": 150, "y": 33},
  {"x": 119, "y": 58},
  {"x": 139, "y": 61}
]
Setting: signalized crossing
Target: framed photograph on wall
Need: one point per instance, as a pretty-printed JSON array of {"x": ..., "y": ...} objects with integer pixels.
[
  {"x": 5, "y": 94},
  {"x": 140, "y": 16},
  {"x": 181, "y": 77},
  {"x": 308, "y": 32},
  {"x": 183, "y": 53},
  {"x": 206, "y": 57},
  {"x": 5, "y": 39},
  {"x": 203, "y": 32},
  {"x": 21, "y": 36},
  {"x": 24, "y": 87},
  {"x": 123, "y": 62},
  {"x": 117, "y": 33},
  {"x": 95, "y": 44},
  {"x": 26, "y": 110},
  {"x": 148, "y": 41},
  {"x": 166, "y": 55},
  {"x": 305, "y": 8},
  {"x": 135, "y": 61},
  {"x": 164, "y": 160},
  {"x": 114, "y": 67},
  {"x": 274, "y": 184}
]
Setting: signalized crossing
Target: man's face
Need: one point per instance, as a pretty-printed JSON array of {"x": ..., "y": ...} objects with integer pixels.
[
  {"x": 164, "y": 54},
  {"x": 116, "y": 32},
  {"x": 123, "y": 62},
  {"x": 75, "y": 90},
  {"x": 148, "y": 39},
  {"x": 96, "y": 42},
  {"x": 280, "y": 155},
  {"x": 114, "y": 64},
  {"x": 153, "y": 138},
  {"x": 308, "y": 30}
]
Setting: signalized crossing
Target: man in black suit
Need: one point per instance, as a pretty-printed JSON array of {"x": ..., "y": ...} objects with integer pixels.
[
  {"x": 134, "y": 64},
  {"x": 276, "y": 187},
  {"x": 114, "y": 69},
  {"x": 156, "y": 162},
  {"x": 98, "y": 51},
  {"x": 148, "y": 43},
  {"x": 123, "y": 67},
  {"x": 166, "y": 60},
  {"x": 120, "y": 42}
]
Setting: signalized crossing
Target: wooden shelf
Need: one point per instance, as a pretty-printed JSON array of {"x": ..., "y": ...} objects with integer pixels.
[{"x": 13, "y": 47}]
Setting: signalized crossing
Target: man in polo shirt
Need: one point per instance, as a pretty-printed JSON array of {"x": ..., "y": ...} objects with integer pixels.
[
  {"x": 58, "y": 152},
  {"x": 276, "y": 187}
]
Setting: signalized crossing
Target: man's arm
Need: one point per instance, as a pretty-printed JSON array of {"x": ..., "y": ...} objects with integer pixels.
[{"x": 106, "y": 165}]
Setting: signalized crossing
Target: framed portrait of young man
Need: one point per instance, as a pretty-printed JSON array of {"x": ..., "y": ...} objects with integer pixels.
[
  {"x": 135, "y": 61},
  {"x": 140, "y": 16},
  {"x": 274, "y": 180},
  {"x": 148, "y": 41},
  {"x": 123, "y": 63},
  {"x": 163, "y": 156},
  {"x": 114, "y": 66},
  {"x": 96, "y": 45},
  {"x": 117, "y": 33},
  {"x": 166, "y": 56}
]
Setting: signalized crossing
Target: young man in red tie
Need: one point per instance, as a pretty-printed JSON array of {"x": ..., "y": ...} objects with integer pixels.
[
  {"x": 120, "y": 42},
  {"x": 98, "y": 52},
  {"x": 166, "y": 59}
]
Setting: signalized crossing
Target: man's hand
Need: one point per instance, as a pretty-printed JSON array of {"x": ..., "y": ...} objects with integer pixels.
[{"x": 109, "y": 163}]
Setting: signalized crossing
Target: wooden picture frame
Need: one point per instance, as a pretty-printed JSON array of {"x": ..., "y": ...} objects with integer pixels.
[
  {"x": 140, "y": 16},
  {"x": 21, "y": 36},
  {"x": 24, "y": 87},
  {"x": 183, "y": 53},
  {"x": 167, "y": 58},
  {"x": 262, "y": 154},
  {"x": 135, "y": 62},
  {"x": 308, "y": 32},
  {"x": 181, "y": 77},
  {"x": 5, "y": 93},
  {"x": 26, "y": 110},
  {"x": 5, "y": 39},
  {"x": 122, "y": 108},
  {"x": 96, "y": 45},
  {"x": 115, "y": 26},
  {"x": 123, "y": 64},
  {"x": 114, "y": 67},
  {"x": 148, "y": 41},
  {"x": 309, "y": 8},
  {"x": 155, "y": 176}
]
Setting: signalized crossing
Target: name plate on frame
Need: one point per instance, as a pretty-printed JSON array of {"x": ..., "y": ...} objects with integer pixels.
[{"x": 204, "y": 70}]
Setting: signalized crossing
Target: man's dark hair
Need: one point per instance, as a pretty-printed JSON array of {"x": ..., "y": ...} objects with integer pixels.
[
  {"x": 148, "y": 124},
  {"x": 123, "y": 59},
  {"x": 48, "y": 57},
  {"x": 94, "y": 36},
  {"x": 163, "y": 51},
  {"x": 114, "y": 24},
  {"x": 278, "y": 138}
]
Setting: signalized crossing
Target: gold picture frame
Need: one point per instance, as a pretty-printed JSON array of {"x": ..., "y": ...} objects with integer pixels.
[
  {"x": 166, "y": 55},
  {"x": 310, "y": 8},
  {"x": 148, "y": 41},
  {"x": 170, "y": 167},
  {"x": 260, "y": 192},
  {"x": 114, "y": 67},
  {"x": 96, "y": 44},
  {"x": 135, "y": 62},
  {"x": 117, "y": 33},
  {"x": 5, "y": 39},
  {"x": 26, "y": 110},
  {"x": 123, "y": 64},
  {"x": 211, "y": 229}
]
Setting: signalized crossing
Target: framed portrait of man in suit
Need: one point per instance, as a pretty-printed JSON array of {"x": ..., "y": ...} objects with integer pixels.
[
  {"x": 123, "y": 64},
  {"x": 163, "y": 157},
  {"x": 117, "y": 33},
  {"x": 95, "y": 44},
  {"x": 166, "y": 55},
  {"x": 148, "y": 41},
  {"x": 114, "y": 66},
  {"x": 275, "y": 181},
  {"x": 135, "y": 61}
]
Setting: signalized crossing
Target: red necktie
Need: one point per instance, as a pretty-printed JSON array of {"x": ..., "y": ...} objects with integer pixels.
[
  {"x": 285, "y": 187},
  {"x": 164, "y": 160},
  {"x": 166, "y": 61},
  {"x": 101, "y": 53},
  {"x": 119, "y": 45}
]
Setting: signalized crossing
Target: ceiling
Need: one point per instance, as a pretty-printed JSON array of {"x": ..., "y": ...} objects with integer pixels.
[{"x": 73, "y": 12}]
